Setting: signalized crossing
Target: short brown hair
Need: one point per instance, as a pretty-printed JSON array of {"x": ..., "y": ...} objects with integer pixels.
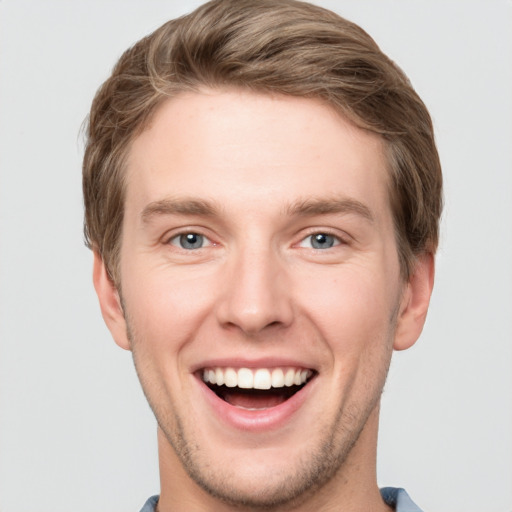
[{"x": 277, "y": 47}]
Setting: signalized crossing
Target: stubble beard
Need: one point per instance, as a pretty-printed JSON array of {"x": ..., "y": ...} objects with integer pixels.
[{"x": 310, "y": 474}]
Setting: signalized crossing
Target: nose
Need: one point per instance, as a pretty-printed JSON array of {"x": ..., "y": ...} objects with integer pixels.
[{"x": 256, "y": 294}]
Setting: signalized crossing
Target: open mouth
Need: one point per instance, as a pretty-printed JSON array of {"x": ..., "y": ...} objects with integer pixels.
[{"x": 258, "y": 388}]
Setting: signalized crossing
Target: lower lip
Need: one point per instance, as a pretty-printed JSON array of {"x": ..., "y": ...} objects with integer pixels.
[{"x": 260, "y": 419}]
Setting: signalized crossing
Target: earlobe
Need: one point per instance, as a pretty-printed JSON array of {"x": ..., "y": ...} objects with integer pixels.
[
  {"x": 110, "y": 302},
  {"x": 415, "y": 302}
]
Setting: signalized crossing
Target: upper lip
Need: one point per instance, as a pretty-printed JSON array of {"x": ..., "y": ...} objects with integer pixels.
[{"x": 266, "y": 362}]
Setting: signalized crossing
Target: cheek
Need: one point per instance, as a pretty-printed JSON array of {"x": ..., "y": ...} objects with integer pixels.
[
  {"x": 166, "y": 308},
  {"x": 353, "y": 309}
]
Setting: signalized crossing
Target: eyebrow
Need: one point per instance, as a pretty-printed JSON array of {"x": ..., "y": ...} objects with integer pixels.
[
  {"x": 302, "y": 208},
  {"x": 310, "y": 207},
  {"x": 178, "y": 207}
]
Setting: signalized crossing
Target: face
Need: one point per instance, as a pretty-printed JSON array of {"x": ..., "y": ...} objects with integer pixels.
[{"x": 261, "y": 290}]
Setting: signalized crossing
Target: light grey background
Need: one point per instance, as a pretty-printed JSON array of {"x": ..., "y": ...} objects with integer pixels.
[{"x": 75, "y": 431}]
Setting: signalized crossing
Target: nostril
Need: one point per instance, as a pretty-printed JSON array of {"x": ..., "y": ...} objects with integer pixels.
[{"x": 253, "y": 327}]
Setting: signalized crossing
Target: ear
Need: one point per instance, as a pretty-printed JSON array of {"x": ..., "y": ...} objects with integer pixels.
[
  {"x": 110, "y": 302},
  {"x": 414, "y": 304}
]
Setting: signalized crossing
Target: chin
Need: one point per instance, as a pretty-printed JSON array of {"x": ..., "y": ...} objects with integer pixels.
[{"x": 262, "y": 478}]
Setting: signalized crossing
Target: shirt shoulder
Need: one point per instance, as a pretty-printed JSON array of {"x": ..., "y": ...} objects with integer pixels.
[
  {"x": 150, "y": 505},
  {"x": 399, "y": 499},
  {"x": 394, "y": 497}
]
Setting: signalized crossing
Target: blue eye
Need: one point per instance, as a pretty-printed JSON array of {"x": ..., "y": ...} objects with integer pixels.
[
  {"x": 189, "y": 241},
  {"x": 320, "y": 241}
]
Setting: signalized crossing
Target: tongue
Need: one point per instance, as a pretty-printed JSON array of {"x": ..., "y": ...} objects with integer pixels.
[{"x": 254, "y": 400}]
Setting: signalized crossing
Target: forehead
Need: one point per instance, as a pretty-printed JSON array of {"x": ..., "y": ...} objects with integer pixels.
[{"x": 249, "y": 149}]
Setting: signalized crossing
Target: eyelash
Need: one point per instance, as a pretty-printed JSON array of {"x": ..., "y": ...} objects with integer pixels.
[
  {"x": 178, "y": 240},
  {"x": 337, "y": 240}
]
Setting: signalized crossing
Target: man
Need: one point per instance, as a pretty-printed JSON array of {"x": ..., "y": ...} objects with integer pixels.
[{"x": 262, "y": 195}]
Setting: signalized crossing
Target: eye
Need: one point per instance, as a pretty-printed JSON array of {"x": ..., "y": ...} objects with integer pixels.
[
  {"x": 190, "y": 241},
  {"x": 320, "y": 241}
]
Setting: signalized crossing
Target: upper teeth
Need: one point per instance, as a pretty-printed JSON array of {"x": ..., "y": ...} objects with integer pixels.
[{"x": 257, "y": 378}]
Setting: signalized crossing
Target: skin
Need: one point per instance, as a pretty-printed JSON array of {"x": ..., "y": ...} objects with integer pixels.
[{"x": 257, "y": 176}]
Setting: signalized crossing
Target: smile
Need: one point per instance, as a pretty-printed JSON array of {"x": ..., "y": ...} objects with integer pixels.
[{"x": 256, "y": 389}]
